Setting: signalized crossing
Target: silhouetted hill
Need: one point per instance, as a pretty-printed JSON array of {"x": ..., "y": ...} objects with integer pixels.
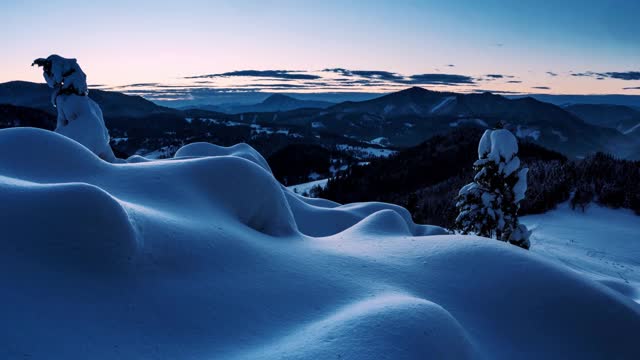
[
  {"x": 113, "y": 104},
  {"x": 19, "y": 116}
]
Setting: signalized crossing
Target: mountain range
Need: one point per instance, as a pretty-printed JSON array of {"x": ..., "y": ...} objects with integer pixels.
[
  {"x": 397, "y": 120},
  {"x": 273, "y": 103}
]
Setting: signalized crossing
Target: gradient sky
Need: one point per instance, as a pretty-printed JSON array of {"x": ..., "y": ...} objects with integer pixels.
[{"x": 560, "y": 47}]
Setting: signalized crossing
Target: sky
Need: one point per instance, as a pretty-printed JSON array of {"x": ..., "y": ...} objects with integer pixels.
[{"x": 172, "y": 49}]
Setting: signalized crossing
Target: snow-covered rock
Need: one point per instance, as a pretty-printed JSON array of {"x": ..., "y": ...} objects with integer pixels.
[
  {"x": 79, "y": 117},
  {"x": 207, "y": 256}
]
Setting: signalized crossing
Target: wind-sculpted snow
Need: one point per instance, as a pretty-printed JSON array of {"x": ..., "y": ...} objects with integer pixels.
[{"x": 207, "y": 256}]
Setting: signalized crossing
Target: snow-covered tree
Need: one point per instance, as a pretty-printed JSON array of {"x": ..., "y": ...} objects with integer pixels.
[
  {"x": 79, "y": 117},
  {"x": 489, "y": 205}
]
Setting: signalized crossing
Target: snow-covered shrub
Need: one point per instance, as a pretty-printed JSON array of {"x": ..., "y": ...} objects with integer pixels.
[
  {"x": 489, "y": 205},
  {"x": 79, "y": 117}
]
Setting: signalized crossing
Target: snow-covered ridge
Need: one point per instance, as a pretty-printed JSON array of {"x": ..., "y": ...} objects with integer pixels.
[{"x": 206, "y": 255}]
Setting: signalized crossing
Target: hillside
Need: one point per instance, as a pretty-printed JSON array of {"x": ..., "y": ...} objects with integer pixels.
[
  {"x": 206, "y": 255},
  {"x": 426, "y": 178},
  {"x": 621, "y": 118},
  {"x": 113, "y": 104},
  {"x": 17, "y": 116}
]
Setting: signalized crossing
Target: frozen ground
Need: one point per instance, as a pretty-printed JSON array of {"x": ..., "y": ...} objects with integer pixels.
[
  {"x": 602, "y": 244},
  {"x": 207, "y": 256}
]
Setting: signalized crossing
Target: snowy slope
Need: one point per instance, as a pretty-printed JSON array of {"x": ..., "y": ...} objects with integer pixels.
[
  {"x": 206, "y": 256},
  {"x": 306, "y": 187},
  {"x": 601, "y": 243}
]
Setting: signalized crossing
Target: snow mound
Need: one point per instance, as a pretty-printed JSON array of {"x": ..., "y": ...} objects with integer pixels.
[
  {"x": 414, "y": 328},
  {"x": 241, "y": 150},
  {"x": 207, "y": 256}
]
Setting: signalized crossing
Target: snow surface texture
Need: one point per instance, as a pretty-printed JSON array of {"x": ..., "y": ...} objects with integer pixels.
[
  {"x": 79, "y": 117},
  {"x": 601, "y": 243},
  {"x": 207, "y": 256}
]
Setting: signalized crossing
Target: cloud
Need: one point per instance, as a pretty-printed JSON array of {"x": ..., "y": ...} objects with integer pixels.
[
  {"x": 439, "y": 79},
  {"x": 541, "y": 87},
  {"x": 632, "y": 88},
  {"x": 369, "y": 74},
  {"x": 392, "y": 78},
  {"x": 506, "y": 92},
  {"x": 273, "y": 74},
  {"x": 551, "y": 73},
  {"x": 492, "y": 77},
  {"x": 620, "y": 75},
  {"x": 514, "y": 82},
  {"x": 628, "y": 75}
]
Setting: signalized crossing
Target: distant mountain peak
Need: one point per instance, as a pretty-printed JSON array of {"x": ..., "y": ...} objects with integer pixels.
[
  {"x": 414, "y": 90},
  {"x": 278, "y": 98}
]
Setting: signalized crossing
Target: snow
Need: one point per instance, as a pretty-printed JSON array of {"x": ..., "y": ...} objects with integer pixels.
[
  {"x": 497, "y": 144},
  {"x": 366, "y": 152},
  {"x": 119, "y": 140},
  {"x": 520, "y": 188},
  {"x": 629, "y": 131},
  {"x": 442, "y": 104},
  {"x": 524, "y": 132},
  {"x": 306, "y": 187},
  {"x": 478, "y": 122},
  {"x": 488, "y": 206},
  {"x": 64, "y": 74},
  {"x": 207, "y": 256},
  {"x": 560, "y": 135},
  {"x": 79, "y": 117},
  {"x": 601, "y": 244},
  {"x": 381, "y": 141}
]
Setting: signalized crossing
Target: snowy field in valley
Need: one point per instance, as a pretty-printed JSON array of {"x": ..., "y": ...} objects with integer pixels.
[
  {"x": 601, "y": 243},
  {"x": 206, "y": 256},
  {"x": 306, "y": 187}
]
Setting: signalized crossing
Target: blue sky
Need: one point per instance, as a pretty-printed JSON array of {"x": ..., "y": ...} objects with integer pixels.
[{"x": 568, "y": 47}]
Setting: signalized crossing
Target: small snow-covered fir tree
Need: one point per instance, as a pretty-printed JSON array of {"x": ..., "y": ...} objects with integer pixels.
[
  {"x": 489, "y": 205},
  {"x": 79, "y": 117}
]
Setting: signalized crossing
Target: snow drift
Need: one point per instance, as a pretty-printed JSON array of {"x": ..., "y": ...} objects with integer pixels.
[{"x": 207, "y": 256}]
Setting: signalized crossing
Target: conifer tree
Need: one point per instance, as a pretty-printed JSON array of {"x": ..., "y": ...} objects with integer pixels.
[{"x": 489, "y": 205}]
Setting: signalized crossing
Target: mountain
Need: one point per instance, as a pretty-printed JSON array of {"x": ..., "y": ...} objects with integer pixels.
[
  {"x": 273, "y": 103},
  {"x": 19, "y": 116},
  {"x": 408, "y": 117},
  {"x": 621, "y": 118},
  {"x": 113, "y": 104},
  {"x": 565, "y": 100},
  {"x": 397, "y": 120}
]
